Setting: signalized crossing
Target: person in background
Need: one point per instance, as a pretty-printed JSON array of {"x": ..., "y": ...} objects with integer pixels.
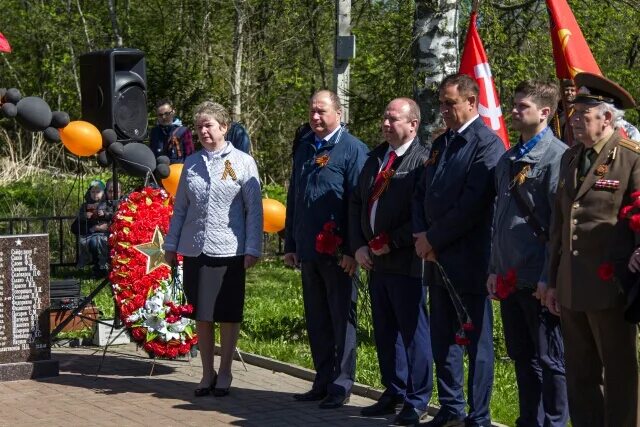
[
  {"x": 326, "y": 164},
  {"x": 526, "y": 182},
  {"x": 217, "y": 227},
  {"x": 380, "y": 228},
  {"x": 94, "y": 217},
  {"x": 561, "y": 122},
  {"x": 169, "y": 138}
]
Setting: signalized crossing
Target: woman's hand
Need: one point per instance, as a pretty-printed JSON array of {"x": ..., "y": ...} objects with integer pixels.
[
  {"x": 249, "y": 261},
  {"x": 170, "y": 258}
]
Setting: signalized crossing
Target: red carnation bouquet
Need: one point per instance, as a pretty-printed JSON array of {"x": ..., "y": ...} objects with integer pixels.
[
  {"x": 631, "y": 212},
  {"x": 606, "y": 271},
  {"x": 506, "y": 284},
  {"x": 379, "y": 241},
  {"x": 464, "y": 320},
  {"x": 328, "y": 241}
]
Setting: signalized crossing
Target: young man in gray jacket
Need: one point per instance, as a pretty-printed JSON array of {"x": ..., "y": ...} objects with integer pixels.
[{"x": 526, "y": 181}]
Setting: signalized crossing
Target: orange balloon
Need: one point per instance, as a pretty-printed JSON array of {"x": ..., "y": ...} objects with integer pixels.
[
  {"x": 81, "y": 138},
  {"x": 170, "y": 183},
  {"x": 274, "y": 214}
]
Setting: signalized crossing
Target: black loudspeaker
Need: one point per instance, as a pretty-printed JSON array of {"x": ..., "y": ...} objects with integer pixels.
[{"x": 114, "y": 92}]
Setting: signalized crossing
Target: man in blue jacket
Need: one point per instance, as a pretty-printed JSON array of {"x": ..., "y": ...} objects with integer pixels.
[
  {"x": 452, "y": 213},
  {"x": 325, "y": 171},
  {"x": 380, "y": 229},
  {"x": 526, "y": 183}
]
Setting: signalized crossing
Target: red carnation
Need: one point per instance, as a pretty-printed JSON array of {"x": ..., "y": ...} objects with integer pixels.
[
  {"x": 635, "y": 195},
  {"x": 506, "y": 285},
  {"x": 139, "y": 334},
  {"x": 624, "y": 212},
  {"x": 606, "y": 271},
  {"x": 468, "y": 326},
  {"x": 462, "y": 339},
  {"x": 634, "y": 223},
  {"x": 329, "y": 226},
  {"x": 379, "y": 241},
  {"x": 327, "y": 242}
]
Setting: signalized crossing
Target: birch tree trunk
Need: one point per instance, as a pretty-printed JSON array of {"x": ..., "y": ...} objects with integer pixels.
[
  {"x": 238, "y": 46},
  {"x": 436, "y": 55}
]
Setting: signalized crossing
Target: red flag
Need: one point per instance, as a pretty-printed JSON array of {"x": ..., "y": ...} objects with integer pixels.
[
  {"x": 571, "y": 52},
  {"x": 474, "y": 62},
  {"x": 4, "y": 44}
]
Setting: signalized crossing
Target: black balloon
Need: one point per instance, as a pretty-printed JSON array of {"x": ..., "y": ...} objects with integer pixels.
[
  {"x": 9, "y": 110},
  {"x": 117, "y": 149},
  {"x": 12, "y": 96},
  {"x": 59, "y": 119},
  {"x": 162, "y": 171},
  {"x": 51, "y": 134},
  {"x": 163, "y": 160},
  {"x": 104, "y": 158},
  {"x": 109, "y": 136},
  {"x": 137, "y": 159},
  {"x": 33, "y": 113}
]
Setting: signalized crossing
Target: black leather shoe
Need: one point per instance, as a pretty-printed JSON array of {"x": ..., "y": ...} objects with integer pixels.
[
  {"x": 445, "y": 421},
  {"x": 204, "y": 391},
  {"x": 409, "y": 416},
  {"x": 385, "y": 405},
  {"x": 333, "y": 401},
  {"x": 220, "y": 392},
  {"x": 310, "y": 396}
]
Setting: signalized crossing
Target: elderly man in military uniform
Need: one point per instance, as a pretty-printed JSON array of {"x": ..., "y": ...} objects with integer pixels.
[{"x": 589, "y": 250}]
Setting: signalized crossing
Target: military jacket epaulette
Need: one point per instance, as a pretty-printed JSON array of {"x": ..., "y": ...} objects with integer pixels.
[{"x": 629, "y": 145}]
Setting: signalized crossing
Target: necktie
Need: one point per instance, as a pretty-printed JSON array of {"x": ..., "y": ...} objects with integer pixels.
[
  {"x": 587, "y": 160},
  {"x": 380, "y": 183}
]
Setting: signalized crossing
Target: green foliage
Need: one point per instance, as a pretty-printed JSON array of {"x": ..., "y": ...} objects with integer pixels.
[{"x": 275, "y": 191}]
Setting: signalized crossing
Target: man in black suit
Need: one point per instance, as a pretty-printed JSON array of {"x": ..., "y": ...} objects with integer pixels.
[{"x": 380, "y": 235}]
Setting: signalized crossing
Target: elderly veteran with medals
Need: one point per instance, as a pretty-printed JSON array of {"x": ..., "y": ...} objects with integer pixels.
[{"x": 589, "y": 250}]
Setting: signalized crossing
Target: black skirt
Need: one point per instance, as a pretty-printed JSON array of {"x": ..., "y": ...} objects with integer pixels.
[{"x": 215, "y": 287}]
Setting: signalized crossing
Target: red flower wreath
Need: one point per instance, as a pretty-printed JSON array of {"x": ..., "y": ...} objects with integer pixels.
[
  {"x": 134, "y": 224},
  {"x": 631, "y": 212}
]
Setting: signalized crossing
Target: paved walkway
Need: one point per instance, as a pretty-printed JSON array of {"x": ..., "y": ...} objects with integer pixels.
[{"x": 124, "y": 394}]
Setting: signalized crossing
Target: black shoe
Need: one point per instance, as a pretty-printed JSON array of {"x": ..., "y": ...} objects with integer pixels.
[
  {"x": 409, "y": 416},
  {"x": 385, "y": 405},
  {"x": 333, "y": 401},
  {"x": 204, "y": 391},
  {"x": 445, "y": 420},
  {"x": 220, "y": 392},
  {"x": 310, "y": 396}
]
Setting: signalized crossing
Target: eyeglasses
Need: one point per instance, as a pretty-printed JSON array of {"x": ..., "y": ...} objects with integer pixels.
[{"x": 165, "y": 114}]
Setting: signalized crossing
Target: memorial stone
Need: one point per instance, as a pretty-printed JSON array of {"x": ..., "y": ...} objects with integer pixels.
[{"x": 25, "y": 348}]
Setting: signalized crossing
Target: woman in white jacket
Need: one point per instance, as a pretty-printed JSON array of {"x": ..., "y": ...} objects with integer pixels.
[{"x": 217, "y": 227}]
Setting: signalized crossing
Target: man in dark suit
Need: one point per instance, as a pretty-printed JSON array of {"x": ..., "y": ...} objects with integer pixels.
[
  {"x": 326, "y": 164},
  {"x": 452, "y": 214},
  {"x": 380, "y": 235},
  {"x": 589, "y": 251}
]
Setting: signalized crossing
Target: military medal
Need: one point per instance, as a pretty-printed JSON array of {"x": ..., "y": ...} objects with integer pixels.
[
  {"x": 607, "y": 184},
  {"x": 228, "y": 171},
  {"x": 322, "y": 160},
  {"x": 602, "y": 170}
]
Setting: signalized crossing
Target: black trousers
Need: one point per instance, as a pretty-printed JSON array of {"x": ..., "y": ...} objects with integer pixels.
[{"x": 534, "y": 343}]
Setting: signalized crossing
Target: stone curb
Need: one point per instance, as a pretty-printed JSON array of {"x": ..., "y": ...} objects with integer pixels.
[{"x": 307, "y": 374}]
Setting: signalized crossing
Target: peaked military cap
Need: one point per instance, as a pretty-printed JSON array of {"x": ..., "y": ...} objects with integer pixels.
[{"x": 594, "y": 89}]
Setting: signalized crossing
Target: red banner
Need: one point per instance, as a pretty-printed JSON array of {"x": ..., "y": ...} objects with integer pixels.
[
  {"x": 4, "y": 44},
  {"x": 474, "y": 62},
  {"x": 571, "y": 52}
]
